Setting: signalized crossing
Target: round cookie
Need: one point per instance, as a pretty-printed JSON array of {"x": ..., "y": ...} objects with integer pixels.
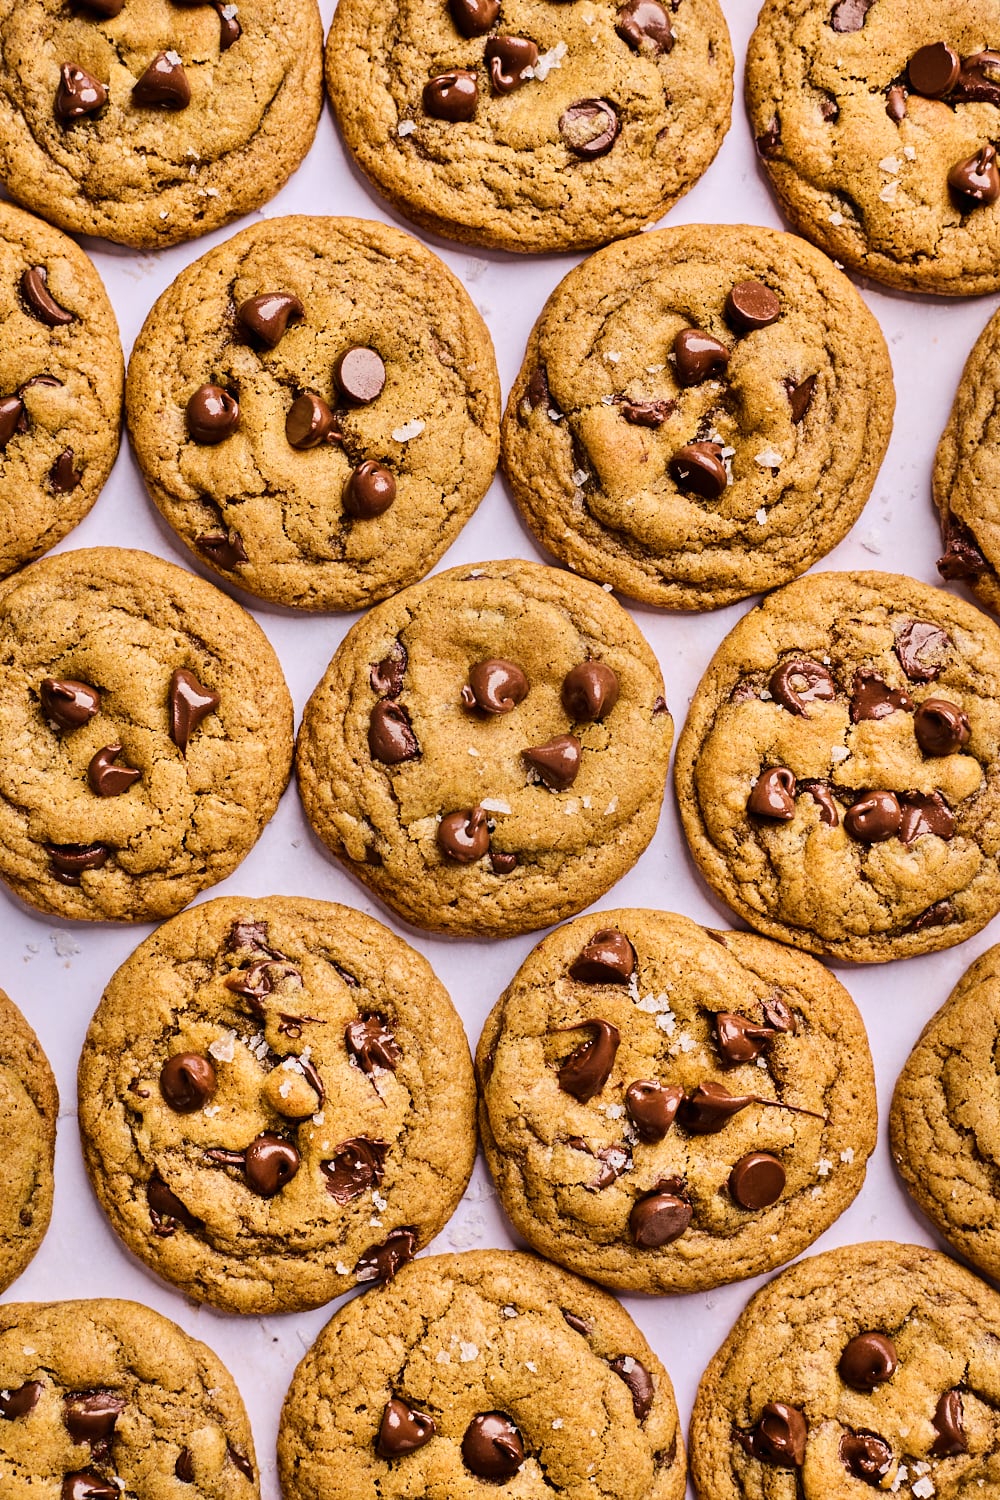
[
  {"x": 839, "y": 772},
  {"x": 29, "y": 1105},
  {"x": 875, "y": 1366},
  {"x": 531, "y": 126},
  {"x": 626, "y": 1077},
  {"x": 288, "y": 1112},
  {"x": 103, "y": 1397},
  {"x": 484, "y": 1372},
  {"x": 150, "y": 122},
  {"x": 146, "y": 732},
  {"x": 877, "y": 121},
  {"x": 944, "y": 1128},
  {"x": 60, "y": 386},
  {"x": 700, "y": 415},
  {"x": 966, "y": 483},
  {"x": 487, "y": 751},
  {"x": 315, "y": 408}
]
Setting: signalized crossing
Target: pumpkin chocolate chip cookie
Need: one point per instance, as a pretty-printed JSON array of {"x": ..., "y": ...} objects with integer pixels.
[
  {"x": 967, "y": 472},
  {"x": 29, "y": 1104}
]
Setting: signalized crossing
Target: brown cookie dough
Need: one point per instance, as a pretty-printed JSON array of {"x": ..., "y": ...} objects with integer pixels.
[
  {"x": 289, "y": 1110},
  {"x": 151, "y": 122},
  {"x": 315, "y": 408},
  {"x": 146, "y": 735},
  {"x": 877, "y": 122},
  {"x": 531, "y": 126},
  {"x": 700, "y": 415},
  {"x": 484, "y": 1373},
  {"x": 626, "y": 1077},
  {"x": 871, "y": 1368},
  {"x": 967, "y": 474},
  {"x": 29, "y": 1105},
  {"x": 487, "y": 750},
  {"x": 839, "y": 772}
]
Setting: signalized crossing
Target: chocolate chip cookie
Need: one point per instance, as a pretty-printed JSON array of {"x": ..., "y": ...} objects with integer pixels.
[
  {"x": 315, "y": 408},
  {"x": 487, "y": 751},
  {"x": 29, "y": 1105},
  {"x": 146, "y": 732},
  {"x": 665, "y": 1109},
  {"x": 532, "y": 125},
  {"x": 482, "y": 1373},
  {"x": 102, "y": 1399},
  {"x": 700, "y": 415},
  {"x": 150, "y": 122},
  {"x": 874, "y": 1367},
  {"x": 60, "y": 386},
  {"x": 289, "y": 1110},
  {"x": 839, "y": 772},
  {"x": 877, "y": 122},
  {"x": 967, "y": 473}
]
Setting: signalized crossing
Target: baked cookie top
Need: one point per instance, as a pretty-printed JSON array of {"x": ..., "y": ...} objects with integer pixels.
[
  {"x": 61, "y": 374},
  {"x": 487, "y": 750},
  {"x": 967, "y": 473},
  {"x": 531, "y": 126},
  {"x": 839, "y": 772},
  {"x": 877, "y": 123},
  {"x": 29, "y": 1105},
  {"x": 146, "y": 731},
  {"x": 102, "y": 1398},
  {"x": 315, "y": 408},
  {"x": 484, "y": 1372},
  {"x": 871, "y": 1367},
  {"x": 149, "y": 122},
  {"x": 287, "y": 1113},
  {"x": 701, "y": 413},
  {"x": 665, "y": 1109},
  {"x": 945, "y": 1127}
]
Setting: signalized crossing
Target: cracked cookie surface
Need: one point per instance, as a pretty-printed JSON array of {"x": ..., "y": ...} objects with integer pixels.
[
  {"x": 148, "y": 169},
  {"x": 296, "y": 1096},
  {"x": 839, "y": 772},
  {"x": 570, "y": 125},
  {"x": 495, "y": 800},
  {"x": 587, "y": 1409},
  {"x": 29, "y": 1105},
  {"x": 611, "y": 393},
  {"x": 871, "y": 1367},
  {"x": 272, "y": 514},
  {"x": 105, "y": 1397},
  {"x": 966, "y": 482},
  {"x": 702, "y": 1022},
  {"x": 147, "y": 735},
  {"x": 859, "y": 157}
]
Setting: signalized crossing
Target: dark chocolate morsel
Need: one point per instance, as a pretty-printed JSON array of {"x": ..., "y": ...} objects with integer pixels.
[
  {"x": 774, "y": 795},
  {"x": 166, "y": 1210},
  {"x": 19, "y": 1402},
  {"x": 868, "y": 1360},
  {"x": 537, "y": 393},
  {"x": 270, "y": 1162},
  {"x": 933, "y": 70},
  {"x": 357, "y": 1165},
  {"x": 230, "y": 29},
  {"x": 589, "y": 128},
  {"x": 639, "y": 1382},
  {"x": 646, "y": 413},
  {"x": 79, "y": 94},
  {"x": 873, "y": 698},
  {"x": 800, "y": 396},
  {"x": 68, "y": 861},
  {"x": 43, "y": 379},
  {"x": 698, "y": 469},
  {"x": 652, "y": 1107},
  {"x": 224, "y": 548},
  {"x": 779, "y": 1436},
  {"x": 768, "y": 143},
  {"x": 492, "y": 1447},
  {"x": 824, "y": 799},
  {"x": 588, "y": 1067},
  {"x": 799, "y": 682},
  {"x": 189, "y": 703},
  {"x": 381, "y": 1262},
  {"x": 963, "y": 557},
  {"x": 464, "y": 836},
  {"x": 107, "y": 9},
  {"x": 739, "y": 1039},
  {"x": 187, "y": 1081},
  {"x": 757, "y": 1180},
  {"x": 849, "y": 15},
  {"x": 508, "y": 58},
  {"x": 240, "y": 1461},
  {"x": 452, "y": 96},
  {"x": 501, "y": 863},
  {"x": 645, "y": 26},
  {"x": 390, "y": 735},
  {"x": 925, "y": 814},
  {"x": 403, "y": 1429},
  {"x": 265, "y": 318},
  {"x": 659, "y": 1218},
  {"x": 63, "y": 477},
  {"x": 976, "y": 181},
  {"x": 895, "y": 106},
  {"x": 371, "y": 1044},
  {"x": 359, "y": 375},
  {"x": 90, "y": 1417},
  {"x": 474, "y": 17},
  {"x": 311, "y": 422},
  {"x": 752, "y": 305},
  {"x": 938, "y": 915},
  {"x": 606, "y": 958},
  {"x": 920, "y": 647},
  {"x": 107, "y": 779},
  {"x": 579, "y": 1325},
  {"x": 710, "y": 1107},
  {"x": 40, "y": 300},
  {"x": 84, "y": 1484},
  {"x": 874, "y": 818},
  {"x": 557, "y": 762},
  {"x": 978, "y": 80},
  {"x": 949, "y": 1424},
  {"x": 867, "y": 1456},
  {"x": 164, "y": 84},
  {"x": 495, "y": 686},
  {"x": 698, "y": 356},
  {"x": 212, "y": 414},
  {"x": 941, "y": 727},
  {"x": 590, "y": 691},
  {"x": 13, "y": 419},
  {"x": 184, "y": 1467},
  {"x": 369, "y": 491},
  {"x": 67, "y": 703},
  {"x": 386, "y": 676}
]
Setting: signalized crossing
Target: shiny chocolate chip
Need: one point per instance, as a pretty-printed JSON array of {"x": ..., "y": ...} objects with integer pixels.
[
  {"x": 799, "y": 682},
  {"x": 938, "y": 915},
  {"x": 774, "y": 795},
  {"x": 64, "y": 476},
  {"x": 557, "y": 762},
  {"x": 698, "y": 356},
  {"x": 67, "y": 703},
  {"x": 768, "y": 143},
  {"x": 850, "y": 15},
  {"x": 639, "y": 1382},
  {"x": 949, "y": 1424},
  {"x": 921, "y": 648},
  {"x": 645, "y": 26},
  {"x": 589, "y": 128},
  {"x": 976, "y": 181},
  {"x": 659, "y": 1218},
  {"x": 164, "y": 84},
  {"x": 67, "y": 862},
  {"x": 474, "y": 17},
  {"x": 386, "y": 676},
  {"x": 265, "y": 318},
  {"x": 510, "y": 60},
  {"x": 925, "y": 814},
  {"x": 895, "y": 106},
  {"x": 590, "y": 691},
  {"x": 757, "y": 1180},
  {"x": 184, "y": 1467},
  {"x": 391, "y": 740},
  {"x": 874, "y": 818},
  {"x": 933, "y": 70},
  {"x": 13, "y": 419},
  {"x": 91, "y": 1416},
  {"x": 710, "y": 1107},
  {"x": 779, "y": 1436},
  {"x": 79, "y": 94},
  {"x": 452, "y": 96},
  {"x": 371, "y": 1044},
  {"x": 652, "y": 1107},
  {"x": 106, "y": 778},
  {"x": 495, "y": 686},
  {"x": 189, "y": 704},
  {"x": 698, "y": 469},
  {"x": 739, "y": 1039},
  {"x": 357, "y": 1165},
  {"x": 381, "y": 1262},
  {"x": 873, "y": 698},
  {"x": 187, "y": 1082},
  {"x": 230, "y": 31},
  {"x": 166, "y": 1211},
  {"x": 588, "y": 1067},
  {"x": 579, "y": 1325},
  {"x": 311, "y": 422},
  {"x": 403, "y": 1429},
  {"x": 502, "y": 864},
  {"x": 865, "y": 1455},
  {"x": 963, "y": 557},
  {"x": 19, "y": 1402},
  {"x": 270, "y": 1162},
  {"x": 824, "y": 799},
  {"x": 41, "y": 301},
  {"x": 979, "y": 80},
  {"x": 262, "y": 979},
  {"x": 464, "y": 836},
  {"x": 212, "y": 414},
  {"x": 84, "y": 1484},
  {"x": 369, "y": 491},
  {"x": 224, "y": 548},
  {"x": 752, "y": 305},
  {"x": 646, "y": 413},
  {"x": 800, "y": 396},
  {"x": 868, "y": 1360},
  {"x": 606, "y": 958},
  {"x": 941, "y": 727},
  {"x": 492, "y": 1447}
]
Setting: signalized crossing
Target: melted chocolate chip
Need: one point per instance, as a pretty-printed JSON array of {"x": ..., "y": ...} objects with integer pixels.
[
  {"x": 106, "y": 779},
  {"x": 13, "y": 419},
  {"x": 800, "y": 396},
  {"x": 212, "y": 414},
  {"x": 187, "y": 1082},
  {"x": 557, "y": 762},
  {"x": 357, "y": 1165},
  {"x": 189, "y": 704},
  {"x": 588, "y": 1067},
  {"x": 768, "y": 143},
  {"x": 698, "y": 356},
  {"x": 84, "y": 1484},
  {"x": 976, "y": 181},
  {"x": 91, "y": 1416},
  {"x": 184, "y": 1467},
  {"x": 537, "y": 393},
  {"x": 495, "y": 687},
  {"x": 381, "y": 1262},
  {"x": 391, "y": 740},
  {"x": 40, "y": 300},
  {"x": 757, "y": 1180},
  {"x": 751, "y": 305},
  {"x": 63, "y": 475},
  {"x": 865, "y": 1455},
  {"x": 270, "y": 1162},
  {"x": 614, "y": 1161},
  {"x": 79, "y": 94},
  {"x": 646, "y": 413},
  {"x": 774, "y": 795},
  {"x": 923, "y": 814},
  {"x": 492, "y": 1447},
  {"x": 779, "y": 1014},
  {"x": 164, "y": 84},
  {"x": 249, "y": 936},
  {"x": 311, "y": 422},
  {"x": 502, "y": 864},
  {"x": 508, "y": 58},
  {"x": 386, "y": 676},
  {"x": 933, "y": 70},
  {"x": 739, "y": 1039},
  {"x": 799, "y": 682},
  {"x": 895, "y": 106},
  {"x": 941, "y": 727},
  {"x": 261, "y": 979},
  {"x": 452, "y": 96},
  {"x": 921, "y": 647},
  {"x": 868, "y": 1360},
  {"x": 19, "y": 1402},
  {"x": 778, "y": 1438},
  {"x": 264, "y": 319},
  {"x": 579, "y": 1325},
  {"x": 979, "y": 80},
  {"x": 963, "y": 558},
  {"x": 166, "y": 1211},
  {"x": 224, "y": 548},
  {"x": 67, "y": 703},
  {"x": 230, "y": 29},
  {"x": 698, "y": 469},
  {"x": 824, "y": 799},
  {"x": 371, "y": 1044},
  {"x": 873, "y": 698},
  {"x": 590, "y": 691},
  {"x": 850, "y": 15},
  {"x": 652, "y": 1107},
  {"x": 874, "y": 818},
  {"x": 710, "y": 1106},
  {"x": 107, "y": 9},
  {"x": 639, "y": 1382},
  {"x": 464, "y": 836},
  {"x": 938, "y": 915},
  {"x": 403, "y": 1429},
  {"x": 606, "y": 958},
  {"x": 661, "y": 1217},
  {"x": 240, "y": 1461},
  {"x": 949, "y": 1424},
  {"x": 474, "y": 17},
  {"x": 68, "y": 861},
  {"x": 589, "y": 128},
  {"x": 645, "y": 26}
]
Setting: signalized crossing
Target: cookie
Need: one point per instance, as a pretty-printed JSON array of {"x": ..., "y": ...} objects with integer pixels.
[
  {"x": 289, "y": 1111},
  {"x": 105, "y": 1398},
  {"x": 966, "y": 483},
  {"x": 839, "y": 772},
  {"x": 146, "y": 735},
  {"x": 487, "y": 751},
  {"x": 700, "y": 415},
  {"x": 876, "y": 121},
  {"x": 665, "y": 1109},
  {"x": 944, "y": 1127},
  {"x": 29, "y": 1105},
  {"x": 873, "y": 1367},
  {"x": 531, "y": 126},
  {"x": 315, "y": 408},
  {"x": 481, "y": 1373},
  {"x": 148, "y": 122},
  {"x": 60, "y": 387}
]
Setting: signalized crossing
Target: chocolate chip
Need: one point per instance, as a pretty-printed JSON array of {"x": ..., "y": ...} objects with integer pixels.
[
  {"x": 779, "y": 1436},
  {"x": 166, "y": 1211},
  {"x": 874, "y": 818},
  {"x": 84, "y": 1484},
  {"x": 502, "y": 864},
  {"x": 963, "y": 557},
  {"x": 579, "y": 1325},
  {"x": 79, "y": 94},
  {"x": 262, "y": 979},
  {"x": 68, "y": 703},
  {"x": 557, "y": 762},
  {"x": 829, "y": 108},
  {"x": 240, "y": 1461},
  {"x": 250, "y": 937},
  {"x": 799, "y": 682},
  {"x": 187, "y": 1082},
  {"x": 91, "y": 1416},
  {"x": 369, "y": 491},
  {"x": 920, "y": 647},
  {"x": 867, "y": 1456},
  {"x": 923, "y": 814},
  {"x": 107, "y": 779},
  {"x": 757, "y": 1180},
  {"x": 492, "y": 1447},
  {"x": 40, "y": 300},
  {"x": 824, "y": 799},
  {"x": 941, "y": 727},
  {"x": 659, "y": 1219},
  {"x": 652, "y": 1107},
  {"x": 768, "y": 143},
  {"x": 390, "y": 735},
  {"x": 698, "y": 356},
  {"x": 739, "y": 1039},
  {"x": 590, "y": 691},
  {"x": 606, "y": 958},
  {"x": 474, "y": 17},
  {"x": 107, "y": 9},
  {"x": 230, "y": 29},
  {"x": 44, "y": 379},
  {"x": 698, "y": 469},
  {"x": 778, "y": 1014},
  {"x": 212, "y": 414},
  {"x": 495, "y": 686},
  {"x": 850, "y": 15},
  {"x": 270, "y": 1162},
  {"x": 403, "y": 1429},
  {"x": 979, "y": 80},
  {"x": 800, "y": 396},
  {"x": 774, "y": 795},
  {"x": 976, "y": 181},
  {"x": 639, "y": 1382},
  {"x": 464, "y": 836},
  {"x": 948, "y": 1422},
  {"x": 873, "y": 698},
  {"x": 933, "y": 70},
  {"x": 19, "y": 1402},
  {"x": 645, "y": 26},
  {"x": 63, "y": 475},
  {"x": 68, "y": 861},
  {"x": 189, "y": 703},
  {"x": 868, "y": 1360},
  {"x": 710, "y": 1106},
  {"x": 537, "y": 393},
  {"x": 224, "y": 548},
  {"x": 381, "y": 1262},
  {"x": 311, "y": 422},
  {"x": 13, "y": 419},
  {"x": 508, "y": 58},
  {"x": 265, "y": 318},
  {"x": 371, "y": 1044},
  {"x": 938, "y": 915},
  {"x": 357, "y": 1165},
  {"x": 588, "y": 1067},
  {"x": 452, "y": 96},
  {"x": 589, "y": 128},
  {"x": 184, "y": 1467},
  {"x": 164, "y": 84},
  {"x": 895, "y": 106},
  {"x": 752, "y": 305},
  {"x": 386, "y": 676},
  {"x": 646, "y": 413}
]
